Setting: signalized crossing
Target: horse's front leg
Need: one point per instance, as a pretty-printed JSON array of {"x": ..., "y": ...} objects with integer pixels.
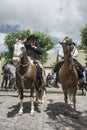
[
  {"x": 6, "y": 81},
  {"x": 37, "y": 97},
  {"x": 21, "y": 101},
  {"x": 32, "y": 102}
]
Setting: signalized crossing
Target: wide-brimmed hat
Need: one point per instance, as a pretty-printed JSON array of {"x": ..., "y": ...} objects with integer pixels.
[
  {"x": 67, "y": 38},
  {"x": 32, "y": 37}
]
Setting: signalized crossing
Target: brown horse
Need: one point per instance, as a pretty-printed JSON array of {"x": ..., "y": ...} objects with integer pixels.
[
  {"x": 68, "y": 74},
  {"x": 25, "y": 74}
]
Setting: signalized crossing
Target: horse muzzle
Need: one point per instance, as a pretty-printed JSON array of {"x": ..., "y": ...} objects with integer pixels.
[{"x": 16, "y": 61}]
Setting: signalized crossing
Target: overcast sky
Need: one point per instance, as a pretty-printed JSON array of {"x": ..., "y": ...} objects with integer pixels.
[{"x": 58, "y": 18}]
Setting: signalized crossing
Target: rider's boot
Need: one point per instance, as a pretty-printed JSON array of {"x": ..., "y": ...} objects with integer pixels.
[{"x": 39, "y": 77}]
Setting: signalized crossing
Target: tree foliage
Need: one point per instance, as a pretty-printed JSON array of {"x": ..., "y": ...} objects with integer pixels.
[
  {"x": 84, "y": 39},
  {"x": 84, "y": 36},
  {"x": 44, "y": 40}
]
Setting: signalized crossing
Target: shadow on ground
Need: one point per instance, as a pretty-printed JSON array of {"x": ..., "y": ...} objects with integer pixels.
[
  {"x": 26, "y": 105},
  {"x": 60, "y": 118}
]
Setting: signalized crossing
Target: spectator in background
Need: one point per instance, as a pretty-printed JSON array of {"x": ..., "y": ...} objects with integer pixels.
[
  {"x": 86, "y": 70},
  {"x": 48, "y": 80}
]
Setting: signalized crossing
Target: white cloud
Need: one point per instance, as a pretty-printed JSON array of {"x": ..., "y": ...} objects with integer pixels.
[
  {"x": 2, "y": 38},
  {"x": 59, "y": 17},
  {"x": 3, "y": 48}
]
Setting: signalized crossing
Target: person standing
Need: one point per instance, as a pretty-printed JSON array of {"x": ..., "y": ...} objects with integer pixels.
[
  {"x": 86, "y": 70},
  {"x": 48, "y": 80}
]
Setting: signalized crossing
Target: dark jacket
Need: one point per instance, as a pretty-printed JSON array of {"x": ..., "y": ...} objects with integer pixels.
[{"x": 34, "y": 53}]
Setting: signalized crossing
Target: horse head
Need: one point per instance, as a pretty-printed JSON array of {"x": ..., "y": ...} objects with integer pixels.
[
  {"x": 68, "y": 46},
  {"x": 18, "y": 52}
]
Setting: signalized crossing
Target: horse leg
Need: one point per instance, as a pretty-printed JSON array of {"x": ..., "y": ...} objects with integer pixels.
[
  {"x": 2, "y": 84},
  {"x": 6, "y": 81},
  {"x": 21, "y": 102},
  {"x": 10, "y": 83},
  {"x": 32, "y": 102},
  {"x": 43, "y": 97},
  {"x": 65, "y": 99},
  {"x": 37, "y": 96},
  {"x": 74, "y": 101},
  {"x": 83, "y": 91}
]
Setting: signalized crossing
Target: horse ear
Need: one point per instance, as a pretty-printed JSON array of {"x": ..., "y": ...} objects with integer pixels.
[
  {"x": 16, "y": 40},
  {"x": 24, "y": 40}
]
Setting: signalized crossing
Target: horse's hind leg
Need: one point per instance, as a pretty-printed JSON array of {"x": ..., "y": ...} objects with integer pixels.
[
  {"x": 2, "y": 84},
  {"x": 74, "y": 102},
  {"x": 6, "y": 81},
  {"x": 37, "y": 96},
  {"x": 32, "y": 102},
  {"x": 65, "y": 99},
  {"x": 21, "y": 101},
  {"x": 43, "y": 97}
]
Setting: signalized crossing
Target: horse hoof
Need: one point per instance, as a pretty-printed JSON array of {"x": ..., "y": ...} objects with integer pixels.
[
  {"x": 85, "y": 94},
  {"x": 42, "y": 102},
  {"x": 66, "y": 112},
  {"x": 20, "y": 113},
  {"x": 31, "y": 113},
  {"x": 74, "y": 114}
]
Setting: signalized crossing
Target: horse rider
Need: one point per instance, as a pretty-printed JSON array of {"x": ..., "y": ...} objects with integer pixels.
[
  {"x": 34, "y": 51},
  {"x": 79, "y": 67}
]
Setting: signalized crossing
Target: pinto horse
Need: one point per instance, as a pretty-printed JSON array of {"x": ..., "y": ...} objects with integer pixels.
[
  {"x": 68, "y": 75},
  {"x": 25, "y": 74}
]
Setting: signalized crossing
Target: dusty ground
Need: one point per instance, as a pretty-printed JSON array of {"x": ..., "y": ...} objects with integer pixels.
[{"x": 51, "y": 116}]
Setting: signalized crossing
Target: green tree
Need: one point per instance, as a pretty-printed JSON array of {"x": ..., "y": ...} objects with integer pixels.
[
  {"x": 44, "y": 40},
  {"x": 84, "y": 39},
  {"x": 84, "y": 35}
]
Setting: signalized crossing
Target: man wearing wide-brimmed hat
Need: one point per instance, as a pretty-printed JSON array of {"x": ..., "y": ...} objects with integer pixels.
[
  {"x": 33, "y": 48},
  {"x": 74, "y": 55},
  {"x": 34, "y": 51}
]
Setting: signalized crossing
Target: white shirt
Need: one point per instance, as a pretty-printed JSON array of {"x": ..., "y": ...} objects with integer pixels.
[{"x": 61, "y": 53}]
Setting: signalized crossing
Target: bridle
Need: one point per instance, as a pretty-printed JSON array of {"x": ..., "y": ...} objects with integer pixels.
[{"x": 28, "y": 65}]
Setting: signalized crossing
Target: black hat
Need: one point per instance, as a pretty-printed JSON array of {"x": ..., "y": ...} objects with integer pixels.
[{"x": 32, "y": 37}]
